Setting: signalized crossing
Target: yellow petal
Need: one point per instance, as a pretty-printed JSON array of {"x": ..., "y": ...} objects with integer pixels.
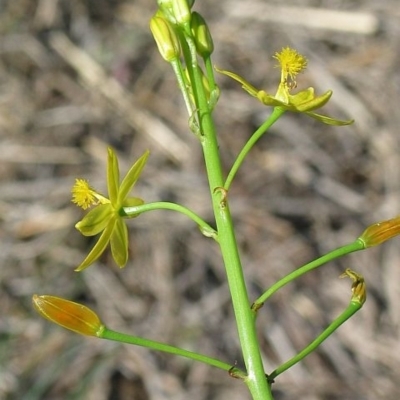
[
  {"x": 245, "y": 85},
  {"x": 112, "y": 176},
  {"x": 99, "y": 247},
  {"x": 302, "y": 97},
  {"x": 329, "y": 120},
  {"x": 95, "y": 220},
  {"x": 305, "y": 100},
  {"x": 270, "y": 100},
  {"x": 119, "y": 243},
  {"x": 131, "y": 177}
]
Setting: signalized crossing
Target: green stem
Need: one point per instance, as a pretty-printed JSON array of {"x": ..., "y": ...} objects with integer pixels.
[
  {"x": 276, "y": 114},
  {"x": 166, "y": 348},
  {"x": 206, "y": 229},
  {"x": 214, "y": 90},
  {"x": 341, "y": 251},
  {"x": 180, "y": 77},
  {"x": 353, "y": 307},
  {"x": 210, "y": 73},
  {"x": 255, "y": 379}
]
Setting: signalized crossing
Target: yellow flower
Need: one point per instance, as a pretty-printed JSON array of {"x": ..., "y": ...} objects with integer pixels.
[
  {"x": 291, "y": 63},
  {"x": 73, "y": 316},
  {"x": 107, "y": 216}
]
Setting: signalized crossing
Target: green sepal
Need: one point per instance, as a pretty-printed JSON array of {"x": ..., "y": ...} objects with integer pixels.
[
  {"x": 99, "y": 247},
  {"x": 131, "y": 202}
]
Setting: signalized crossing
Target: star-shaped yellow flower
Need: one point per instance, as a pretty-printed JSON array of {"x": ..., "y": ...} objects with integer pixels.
[
  {"x": 107, "y": 216},
  {"x": 291, "y": 63}
]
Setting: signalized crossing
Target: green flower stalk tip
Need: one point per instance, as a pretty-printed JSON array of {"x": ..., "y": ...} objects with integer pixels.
[
  {"x": 68, "y": 314},
  {"x": 201, "y": 34},
  {"x": 380, "y": 232},
  {"x": 357, "y": 300},
  {"x": 291, "y": 63},
  {"x": 107, "y": 216},
  {"x": 165, "y": 37}
]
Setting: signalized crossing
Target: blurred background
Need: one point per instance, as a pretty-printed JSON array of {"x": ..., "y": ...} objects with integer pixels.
[{"x": 78, "y": 76}]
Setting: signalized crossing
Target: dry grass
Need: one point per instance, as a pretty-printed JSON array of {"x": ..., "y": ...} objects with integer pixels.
[{"x": 77, "y": 76}]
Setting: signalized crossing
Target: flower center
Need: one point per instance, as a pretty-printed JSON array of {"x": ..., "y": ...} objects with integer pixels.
[
  {"x": 83, "y": 195},
  {"x": 291, "y": 63}
]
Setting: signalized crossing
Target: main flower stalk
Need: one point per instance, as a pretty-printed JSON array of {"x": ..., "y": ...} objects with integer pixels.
[{"x": 255, "y": 379}]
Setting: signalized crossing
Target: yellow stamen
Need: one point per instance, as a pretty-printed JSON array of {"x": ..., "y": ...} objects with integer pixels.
[
  {"x": 83, "y": 195},
  {"x": 292, "y": 63}
]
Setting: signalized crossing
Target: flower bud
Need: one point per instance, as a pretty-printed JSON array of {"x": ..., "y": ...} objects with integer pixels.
[
  {"x": 165, "y": 37},
  {"x": 380, "y": 232},
  {"x": 181, "y": 11},
  {"x": 73, "y": 316},
  {"x": 201, "y": 35}
]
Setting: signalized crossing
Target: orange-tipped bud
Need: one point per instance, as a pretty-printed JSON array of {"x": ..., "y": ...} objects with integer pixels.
[
  {"x": 70, "y": 315},
  {"x": 380, "y": 232}
]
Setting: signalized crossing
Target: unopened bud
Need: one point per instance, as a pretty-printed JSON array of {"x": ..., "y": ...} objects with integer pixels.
[
  {"x": 201, "y": 35},
  {"x": 181, "y": 11},
  {"x": 73, "y": 316},
  {"x": 380, "y": 232},
  {"x": 165, "y": 37}
]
